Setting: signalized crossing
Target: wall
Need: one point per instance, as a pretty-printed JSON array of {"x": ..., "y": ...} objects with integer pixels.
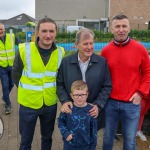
[
  {"x": 138, "y": 11},
  {"x": 66, "y": 12}
]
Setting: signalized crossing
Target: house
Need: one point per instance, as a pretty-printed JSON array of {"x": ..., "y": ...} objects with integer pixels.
[
  {"x": 2, "y": 20},
  {"x": 19, "y": 22}
]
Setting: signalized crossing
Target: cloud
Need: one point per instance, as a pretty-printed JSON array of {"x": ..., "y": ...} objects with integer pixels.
[{"x": 12, "y": 8}]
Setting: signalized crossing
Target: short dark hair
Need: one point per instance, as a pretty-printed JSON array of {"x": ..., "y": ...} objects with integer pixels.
[
  {"x": 44, "y": 20},
  {"x": 120, "y": 17}
]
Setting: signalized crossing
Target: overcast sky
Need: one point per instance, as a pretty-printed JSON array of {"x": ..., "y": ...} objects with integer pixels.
[{"x": 12, "y": 8}]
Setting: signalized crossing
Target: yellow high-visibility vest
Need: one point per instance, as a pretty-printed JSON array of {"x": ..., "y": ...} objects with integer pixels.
[
  {"x": 37, "y": 85},
  {"x": 7, "y": 52}
]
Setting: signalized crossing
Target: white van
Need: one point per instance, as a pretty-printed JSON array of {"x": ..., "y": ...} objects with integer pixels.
[{"x": 73, "y": 28}]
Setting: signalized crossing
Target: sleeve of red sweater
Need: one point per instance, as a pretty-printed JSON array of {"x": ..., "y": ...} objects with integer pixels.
[{"x": 145, "y": 72}]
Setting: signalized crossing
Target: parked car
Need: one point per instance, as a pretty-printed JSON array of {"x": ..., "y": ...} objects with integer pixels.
[{"x": 73, "y": 28}]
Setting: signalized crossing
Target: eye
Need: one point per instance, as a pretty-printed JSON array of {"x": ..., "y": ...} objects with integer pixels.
[
  {"x": 44, "y": 31},
  {"x": 76, "y": 96}
]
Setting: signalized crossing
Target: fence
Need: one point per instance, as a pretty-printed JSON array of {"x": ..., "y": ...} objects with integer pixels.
[
  {"x": 67, "y": 40},
  {"x": 97, "y": 45}
]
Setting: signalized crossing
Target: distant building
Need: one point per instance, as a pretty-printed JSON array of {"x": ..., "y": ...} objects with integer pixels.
[
  {"x": 18, "y": 22},
  {"x": 2, "y": 20},
  {"x": 94, "y": 14},
  {"x": 88, "y": 13}
]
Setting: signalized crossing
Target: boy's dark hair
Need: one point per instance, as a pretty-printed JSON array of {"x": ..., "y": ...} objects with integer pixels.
[
  {"x": 120, "y": 17},
  {"x": 79, "y": 85},
  {"x": 44, "y": 20}
]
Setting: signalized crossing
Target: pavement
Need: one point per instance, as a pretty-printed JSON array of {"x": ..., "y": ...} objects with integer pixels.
[{"x": 11, "y": 138}]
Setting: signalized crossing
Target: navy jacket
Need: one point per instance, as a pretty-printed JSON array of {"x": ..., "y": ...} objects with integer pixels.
[{"x": 97, "y": 78}]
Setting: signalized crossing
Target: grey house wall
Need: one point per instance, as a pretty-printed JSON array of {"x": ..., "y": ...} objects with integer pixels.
[{"x": 66, "y": 12}]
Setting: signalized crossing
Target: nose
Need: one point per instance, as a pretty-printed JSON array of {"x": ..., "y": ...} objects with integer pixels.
[
  {"x": 90, "y": 46},
  {"x": 80, "y": 96},
  {"x": 121, "y": 29},
  {"x": 48, "y": 35}
]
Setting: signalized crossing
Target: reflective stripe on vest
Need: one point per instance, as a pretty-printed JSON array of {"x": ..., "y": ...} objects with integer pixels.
[
  {"x": 7, "y": 58},
  {"x": 29, "y": 74},
  {"x": 4, "y": 51},
  {"x": 37, "y": 88},
  {"x": 7, "y": 52},
  {"x": 38, "y": 75}
]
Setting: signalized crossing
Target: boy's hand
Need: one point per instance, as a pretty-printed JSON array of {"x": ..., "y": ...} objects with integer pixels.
[
  {"x": 65, "y": 107},
  {"x": 94, "y": 111},
  {"x": 69, "y": 137}
]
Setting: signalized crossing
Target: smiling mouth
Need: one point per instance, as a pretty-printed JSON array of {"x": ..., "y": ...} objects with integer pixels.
[
  {"x": 121, "y": 34},
  {"x": 48, "y": 40}
]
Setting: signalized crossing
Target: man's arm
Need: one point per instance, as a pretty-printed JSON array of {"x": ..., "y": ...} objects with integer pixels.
[
  {"x": 144, "y": 87},
  {"x": 62, "y": 125},
  {"x": 17, "y": 69},
  {"x": 17, "y": 41},
  {"x": 103, "y": 95},
  {"x": 62, "y": 93}
]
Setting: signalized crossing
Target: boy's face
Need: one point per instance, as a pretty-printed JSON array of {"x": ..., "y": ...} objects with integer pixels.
[{"x": 79, "y": 97}]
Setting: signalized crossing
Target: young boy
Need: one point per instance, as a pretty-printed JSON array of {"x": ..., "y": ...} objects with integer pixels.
[{"x": 78, "y": 128}]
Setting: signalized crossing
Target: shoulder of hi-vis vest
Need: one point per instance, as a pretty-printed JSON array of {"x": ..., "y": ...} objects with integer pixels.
[{"x": 37, "y": 85}]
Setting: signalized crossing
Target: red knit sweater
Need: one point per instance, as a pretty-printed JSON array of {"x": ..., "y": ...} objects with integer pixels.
[{"x": 130, "y": 69}]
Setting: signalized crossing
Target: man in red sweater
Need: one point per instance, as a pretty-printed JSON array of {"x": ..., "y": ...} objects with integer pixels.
[{"x": 129, "y": 66}]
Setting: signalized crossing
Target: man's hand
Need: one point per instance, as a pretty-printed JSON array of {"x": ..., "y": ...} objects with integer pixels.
[
  {"x": 69, "y": 137},
  {"x": 65, "y": 107},
  {"x": 94, "y": 111},
  {"x": 136, "y": 99}
]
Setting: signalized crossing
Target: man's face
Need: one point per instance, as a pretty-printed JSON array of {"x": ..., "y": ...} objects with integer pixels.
[
  {"x": 120, "y": 29},
  {"x": 2, "y": 30},
  {"x": 85, "y": 46},
  {"x": 46, "y": 34}
]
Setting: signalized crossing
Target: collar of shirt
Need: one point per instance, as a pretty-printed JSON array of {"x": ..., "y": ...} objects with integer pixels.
[
  {"x": 79, "y": 60},
  {"x": 83, "y": 67},
  {"x": 124, "y": 43}
]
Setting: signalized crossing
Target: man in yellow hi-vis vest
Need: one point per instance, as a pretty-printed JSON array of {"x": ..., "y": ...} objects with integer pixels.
[
  {"x": 7, "y": 53},
  {"x": 34, "y": 73}
]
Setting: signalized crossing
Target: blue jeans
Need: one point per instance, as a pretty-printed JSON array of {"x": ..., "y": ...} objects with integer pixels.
[
  {"x": 27, "y": 122},
  {"x": 128, "y": 114},
  {"x": 7, "y": 83}
]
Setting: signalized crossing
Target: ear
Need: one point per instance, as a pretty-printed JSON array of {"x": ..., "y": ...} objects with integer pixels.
[
  {"x": 129, "y": 29},
  {"x": 37, "y": 33},
  {"x": 87, "y": 94},
  {"x": 71, "y": 95},
  {"x": 111, "y": 30},
  {"x": 76, "y": 44}
]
